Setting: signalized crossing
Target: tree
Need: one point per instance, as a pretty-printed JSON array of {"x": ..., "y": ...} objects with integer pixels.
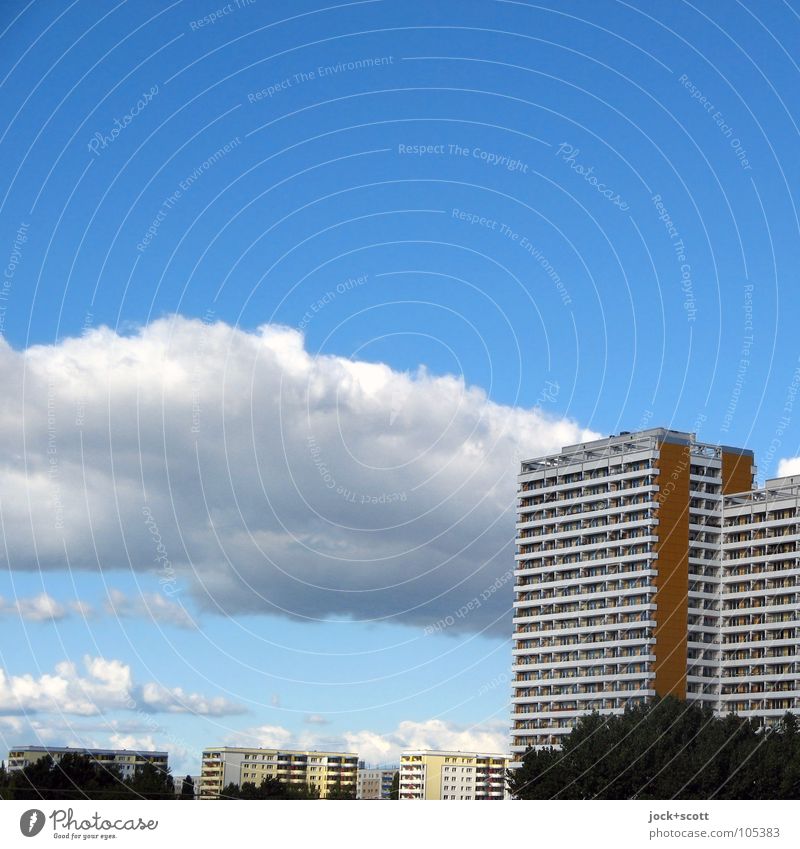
[
  {"x": 341, "y": 791},
  {"x": 270, "y": 788},
  {"x": 3, "y": 781},
  {"x": 187, "y": 788},
  {"x": 394, "y": 790},
  {"x": 75, "y": 776},
  {"x": 668, "y": 749},
  {"x": 151, "y": 782}
]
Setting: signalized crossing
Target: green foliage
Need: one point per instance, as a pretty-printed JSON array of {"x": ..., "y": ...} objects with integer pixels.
[
  {"x": 78, "y": 776},
  {"x": 4, "y": 793},
  {"x": 342, "y": 792},
  {"x": 187, "y": 788},
  {"x": 75, "y": 776},
  {"x": 668, "y": 749},
  {"x": 394, "y": 791},
  {"x": 270, "y": 788},
  {"x": 151, "y": 782}
]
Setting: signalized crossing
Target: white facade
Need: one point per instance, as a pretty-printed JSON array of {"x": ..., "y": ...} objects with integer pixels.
[
  {"x": 760, "y": 650},
  {"x": 375, "y": 783},
  {"x": 592, "y": 555},
  {"x": 452, "y": 776}
]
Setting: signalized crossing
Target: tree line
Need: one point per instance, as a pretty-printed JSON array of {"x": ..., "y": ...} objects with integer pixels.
[
  {"x": 274, "y": 788},
  {"x": 77, "y": 776},
  {"x": 667, "y": 749}
]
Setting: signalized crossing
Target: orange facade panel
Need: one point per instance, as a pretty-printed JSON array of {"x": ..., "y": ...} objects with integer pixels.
[
  {"x": 737, "y": 474},
  {"x": 672, "y": 581}
]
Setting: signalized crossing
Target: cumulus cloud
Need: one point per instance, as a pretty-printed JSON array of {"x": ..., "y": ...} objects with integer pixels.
[
  {"x": 239, "y": 468},
  {"x": 385, "y": 748},
  {"x": 107, "y": 685},
  {"x": 263, "y": 736},
  {"x": 789, "y": 466},
  {"x": 152, "y": 606},
  {"x": 38, "y": 608}
]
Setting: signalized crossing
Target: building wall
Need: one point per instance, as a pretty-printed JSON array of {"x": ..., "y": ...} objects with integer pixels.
[
  {"x": 125, "y": 760},
  {"x": 618, "y": 577},
  {"x": 328, "y": 771},
  {"x": 452, "y": 776},
  {"x": 672, "y": 579},
  {"x": 375, "y": 783},
  {"x": 760, "y": 632}
]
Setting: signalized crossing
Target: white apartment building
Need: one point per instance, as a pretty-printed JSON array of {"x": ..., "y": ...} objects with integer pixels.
[
  {"x": 375, "y": 783},
  {"x": 760, "y": 634},
  {"x": 452, "y": 776},
  {"x": 617, "y": 578},
  {"x": 127, "y": 761}
]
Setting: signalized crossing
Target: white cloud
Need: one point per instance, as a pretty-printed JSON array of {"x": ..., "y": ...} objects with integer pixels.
[
  {"x": 107, "y": 685},
  {"x": 151, "y": 606},
  {"x": 385, "y": 748},
  {"x": 789, "y": 466},
  {"x": 263, "y": 736},
  {"x": 39, "y": 608},
  {"x": 240, "y": 469}
]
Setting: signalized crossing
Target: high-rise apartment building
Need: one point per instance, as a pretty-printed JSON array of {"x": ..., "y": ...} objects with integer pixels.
[
  {"x": 327, "y": 771},
  {"x": 618, "y": 577},
  {"x": 428, "y": 774},
  {"x": 127, "y": 761}
]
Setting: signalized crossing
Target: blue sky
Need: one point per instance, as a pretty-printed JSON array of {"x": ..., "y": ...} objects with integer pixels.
[{"x": 543, "y": 221}]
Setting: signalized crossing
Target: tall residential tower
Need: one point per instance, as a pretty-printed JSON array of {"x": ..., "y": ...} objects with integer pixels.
[{"x": 618, "y": 577}]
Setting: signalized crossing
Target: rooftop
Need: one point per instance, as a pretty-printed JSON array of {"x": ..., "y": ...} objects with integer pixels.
[{"x": 625, "y": 443}]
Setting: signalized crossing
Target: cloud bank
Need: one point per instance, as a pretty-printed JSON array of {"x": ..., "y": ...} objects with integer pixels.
[
  {"x": 384, "y": 748},
  {"x": 240, "y": 471},
  {"x": 107, "y": 685}
]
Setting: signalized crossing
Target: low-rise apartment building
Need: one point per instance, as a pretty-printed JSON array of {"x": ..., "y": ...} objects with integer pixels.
[
  {"x": 375, "y": 783},
  {"x": 452, "y": 776},
  {"x": 328, "y": 771},
  {"x": 125, "y": 760}
]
